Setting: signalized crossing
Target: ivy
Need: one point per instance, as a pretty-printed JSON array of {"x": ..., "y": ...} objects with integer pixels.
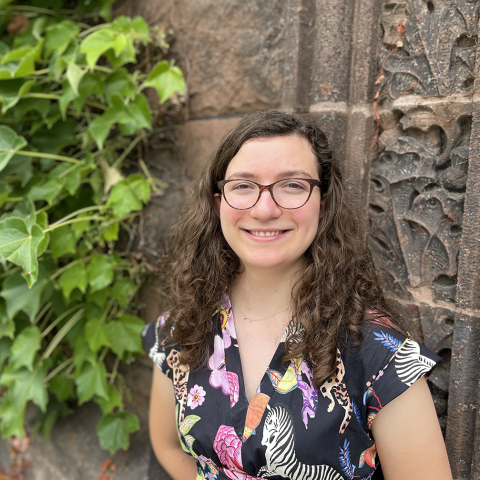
[{"x": 73, "y": 109}]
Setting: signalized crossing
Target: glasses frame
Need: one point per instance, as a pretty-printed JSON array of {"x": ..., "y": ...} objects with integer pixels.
[{"x": 313, "y": 183}]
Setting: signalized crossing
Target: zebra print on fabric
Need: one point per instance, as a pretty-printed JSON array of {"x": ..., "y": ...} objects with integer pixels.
[
  {"x": 279, "y": 438},
  {"x": 410, "y": 364},
  {"x": 155, "y": 353}
]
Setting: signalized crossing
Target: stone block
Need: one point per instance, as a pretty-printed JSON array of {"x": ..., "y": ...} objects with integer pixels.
[
  {"x": 237, "y": 56},
  {"x": 199, "y": 139}
]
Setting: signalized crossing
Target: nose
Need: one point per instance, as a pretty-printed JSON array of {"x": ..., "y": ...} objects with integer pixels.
[{"x": 265, "y": 208}]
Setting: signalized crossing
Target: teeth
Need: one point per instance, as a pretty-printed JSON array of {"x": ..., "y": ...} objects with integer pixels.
[{"x": 265, "y": 234}]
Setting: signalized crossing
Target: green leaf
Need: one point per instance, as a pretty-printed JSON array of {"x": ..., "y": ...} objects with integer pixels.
[
  {"x": 90, "y": 84},
  {"x": 12, "y": 417},
  {"x": 62, "y": 387},
  {"x": 5, "y": 345},
  {"x": 46, "y": 421},
  {"x": 100, "y": 126},
  {"x": 10, "y": 143},
  {"x": 166, "y": 80},
  {"x": 129, "y": 195},
  {"x": 136, "y": 114},
  {"x": 20, "y": 166},
  {"x": 42, "y": 220},
  {"x": 74, "y": 76},
  {"x": 92, "y": 381},
  {"x": 59, "y": 36},
  {"x": 47, "y": 191},
  {"x": 96, "y": 334},
  {"x": 99, "y": 297},
  {"x": 122, "y": 289},
  {"x": 55, "y": 138},
  {"x": 20, "y": 247},
  {"x": 113, "y": 430},
  {"x": 74, "y": 277},
  {"x": 114, "y": 400},
  {"x": 97, "y": 43},
  {"x": 100, "y": 272},
  {"x": 26, "y": 105},
  {"x": 187, "y": 423},
  {"x": 62, "y": 241},
  {"x": 19, "y": 62},
  {"x": 5, "y": 190},
  {"x": 7, "y": 326},
  {"x": 111, "y": 232},
  {"x": 24, "y": 348},
  {"x": 27, "y": 385},
  {"x": 19, "y": 297},
  {"x": 79, "y": 228},
  {"x": 25, "y": 210},
  {"x": 119, "y": 83},
  {"x": 4, "y": 3},
  {"x": 126, "y": 334}
]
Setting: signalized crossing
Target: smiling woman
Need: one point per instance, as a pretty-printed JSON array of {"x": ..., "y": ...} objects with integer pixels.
[{"x": 318, "y": 381}]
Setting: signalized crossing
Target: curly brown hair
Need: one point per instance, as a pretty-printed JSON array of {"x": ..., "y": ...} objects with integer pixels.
[{"x": 335, "y": 293}]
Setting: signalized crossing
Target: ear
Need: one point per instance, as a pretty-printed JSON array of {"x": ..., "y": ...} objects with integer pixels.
[{"x": 217, "y": 198}]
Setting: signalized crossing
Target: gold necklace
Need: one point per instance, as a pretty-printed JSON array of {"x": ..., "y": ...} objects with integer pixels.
[{"x": 261, "y": 319}]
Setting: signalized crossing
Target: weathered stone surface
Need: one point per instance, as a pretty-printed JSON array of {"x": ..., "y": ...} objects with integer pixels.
[
  {"x": 237, "y": 56},
  {"x": 198, "y": 140}
]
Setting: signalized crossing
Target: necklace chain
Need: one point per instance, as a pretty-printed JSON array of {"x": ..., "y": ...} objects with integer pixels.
[{"x": 261, "y": 319}]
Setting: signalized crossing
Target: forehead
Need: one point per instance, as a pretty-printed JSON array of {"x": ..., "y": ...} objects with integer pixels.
[{"x": 267, "y": 157}]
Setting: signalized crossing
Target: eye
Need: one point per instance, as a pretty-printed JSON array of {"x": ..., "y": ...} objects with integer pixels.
[
  {"x": 241, "y": 186},
  {"x": 293, "y": 185}
]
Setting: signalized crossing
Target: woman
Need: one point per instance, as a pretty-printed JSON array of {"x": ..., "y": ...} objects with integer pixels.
[{"x": 299, "y": 373}]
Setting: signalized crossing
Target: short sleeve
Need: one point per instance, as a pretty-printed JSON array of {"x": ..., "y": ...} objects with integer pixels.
[
  {"x": 392, "y": 363},
  {"x": 155, "y": 344}
]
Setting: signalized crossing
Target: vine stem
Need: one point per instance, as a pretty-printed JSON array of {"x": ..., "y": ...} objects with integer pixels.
[
  {"x": 42, "y": 312},
  {"x": 66, "y": 267},
  {"x": 24, "y": 153},
  {"x": 75, "y": 220},
  {"x": 66, "y": 363},
  {"x": 62, "y": 332},
  {"x": 59, "y": 319},
  {"x": 102, "y": 355},
  {"x": 53, "y": 96},
  {"x": 114, "y": 371},
  {"x": 78, "y": 212},
  {"x": 94, "y": 29},
  {"x": 28, "y": 8}
]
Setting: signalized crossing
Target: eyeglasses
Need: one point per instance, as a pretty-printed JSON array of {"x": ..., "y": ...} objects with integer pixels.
[{"x": 288, "y": 193}]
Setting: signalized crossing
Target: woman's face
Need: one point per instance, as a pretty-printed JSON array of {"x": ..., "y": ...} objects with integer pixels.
[{"x": 265, "y": 161}]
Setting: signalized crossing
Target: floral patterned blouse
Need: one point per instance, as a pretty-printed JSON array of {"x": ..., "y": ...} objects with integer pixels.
[{"x": 289, "y": 429}]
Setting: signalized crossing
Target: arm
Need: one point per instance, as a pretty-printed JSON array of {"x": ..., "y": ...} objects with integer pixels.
[
  {"x": 163, "y": 430},
  {"x": 408, "y": 437}
]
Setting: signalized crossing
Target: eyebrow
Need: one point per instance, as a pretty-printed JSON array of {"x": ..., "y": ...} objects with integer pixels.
[{"x": 284, "y": 174}]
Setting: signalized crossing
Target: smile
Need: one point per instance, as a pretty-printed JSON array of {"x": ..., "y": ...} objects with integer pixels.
[{"x": 265, "y": 234}]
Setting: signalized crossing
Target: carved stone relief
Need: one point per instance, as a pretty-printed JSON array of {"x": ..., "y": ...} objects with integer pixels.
[
  {"x": 417, "y": 184},
  {"x": 434, "y": 54}
]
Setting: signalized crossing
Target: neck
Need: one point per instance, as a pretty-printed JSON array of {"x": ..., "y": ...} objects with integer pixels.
[{"x": 262, "y": 292}]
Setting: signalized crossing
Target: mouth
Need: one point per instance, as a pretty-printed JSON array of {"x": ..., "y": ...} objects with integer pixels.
[{"x": 260, "y": 233}]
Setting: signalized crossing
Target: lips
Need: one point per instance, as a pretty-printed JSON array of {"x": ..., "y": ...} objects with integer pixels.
[{"x": 257, "y": 233}]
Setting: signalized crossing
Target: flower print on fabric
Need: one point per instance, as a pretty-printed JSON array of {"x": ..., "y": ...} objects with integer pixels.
[
  {"x": 309, "y": 392},
  {"x": 281, "y": 457},
  {"x": 220, "y": 377},
  {"x": 196, "y": 397},
  {"x": 206, "y": 469},
  {"x": 368, "y": 457},
  {"x": 335, "y": 389}
]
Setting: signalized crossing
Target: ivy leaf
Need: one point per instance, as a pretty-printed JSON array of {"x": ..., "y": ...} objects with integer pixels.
[
  {"x": 11, "y": 91},
  {"x": 62, "y": 387},
  {"x": 90, "y": 84},
  {"x": 136, "y": 114},
  {"x": 26, "y": 344},
  {"x": 99, "y": 297},
  {"x": 59, "y": 36},
  {"x": 7, "y": 325},
  {"x": 119, "y": 83},
  {"x": 96, "y": 334},
  {"x": 114, "y": 400},
  {"x": 74, "y": 277},
  {"x": 42, "y": 220},
  {"x": 12, "y": 417},
  {"x": 19, "y": 62},
  {"x": 27, "y": 385},
  {"x": 166, "y": 80},
  {"x": 5, "y": 190},
  {"x": 92, "y": 381},
  {"x": 129, "y": 195},
  {"x": 25, "y": 210},
  {"x": 122, "y": 289},
  {"x": 47, "y": 191},
  {"x": 97, "y": 43},
  {"x": 82, "y": 354},
  {"x": 26, "y": 105},
  {"x": 113, "y": 430},
  {"x": 100, "y": 272},
  {"x": 62, "y": 241},
  {"x": 18, "y": 296},
  {"x": 10, "y": 143},
  {"x": 74, "y": 76},
  {"x": 110, "y": 232},
  {"x": 57, "y": 136},
  {"x": 20, "y": 247},
  {"x": 126, "y": 334},
  {"x": 100, "y": 126},
  {"x": 5, "y": 345}
]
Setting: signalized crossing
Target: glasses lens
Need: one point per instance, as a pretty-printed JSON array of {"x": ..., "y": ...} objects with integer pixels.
[
  {"x": 241, "y": 193},
  {"x": 291, "y": 192}
]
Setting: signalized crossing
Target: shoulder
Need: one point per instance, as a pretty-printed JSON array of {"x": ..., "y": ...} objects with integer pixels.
[{"x": 158, "y": 344}]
